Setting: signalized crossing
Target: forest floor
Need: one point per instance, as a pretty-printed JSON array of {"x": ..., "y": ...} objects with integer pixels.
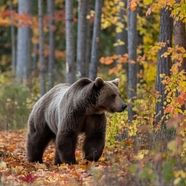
[{"x": 15, "y": 170}]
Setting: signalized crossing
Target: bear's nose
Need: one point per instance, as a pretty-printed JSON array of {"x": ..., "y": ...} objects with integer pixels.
[{"x": 124, "y": 106}]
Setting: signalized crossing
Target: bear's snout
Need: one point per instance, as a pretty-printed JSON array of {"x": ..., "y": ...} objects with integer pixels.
[
  {"x": 120, "y": 107},
  {"x": 124, "y": 106}
]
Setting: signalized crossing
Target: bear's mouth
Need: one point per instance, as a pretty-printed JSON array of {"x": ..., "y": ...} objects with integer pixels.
[{"x": 118, "y": 110}]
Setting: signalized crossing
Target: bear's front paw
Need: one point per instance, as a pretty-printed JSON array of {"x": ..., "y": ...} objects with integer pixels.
[
  {"x": 93, "y": 155},
  {"x": 70, "y": 162},
  {"x": 65, "y": 161}
]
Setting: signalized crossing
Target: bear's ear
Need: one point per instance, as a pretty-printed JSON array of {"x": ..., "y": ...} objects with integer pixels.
[
  {"x": 115, "y": 82},
  {"x": 99, "y": 82}
]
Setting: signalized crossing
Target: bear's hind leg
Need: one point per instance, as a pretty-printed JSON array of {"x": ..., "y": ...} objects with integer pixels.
[
  {"x": 57, "y": 160},
  {"x": 37, "y": 140}
]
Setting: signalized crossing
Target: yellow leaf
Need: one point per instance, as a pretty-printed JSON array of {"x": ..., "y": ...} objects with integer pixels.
[
  {"x": 106, "y": 24},
  {"x": 40, "y": 166},
  {"x": 18, "y": 169},
  {"x": 172, "y": 146},
  {"x": 121, "y": 25},
  {"x": 147, "y": 2},
  {"x": 139, "y": 157},
  {"x": 121, "y": 4},
  {"x": 184, "y": 145},
  {"x": 141, "y": 154},
  {"x": 102, "y": 158},
  {"x": 177, "y": 181},
  {"x": 162, "y": 75},
  {"x": 115, "y": 44},
  {"x": 2, "y": 164},
  {"x": 121, "y": 42},
  {"x": 118, "y": 30}
]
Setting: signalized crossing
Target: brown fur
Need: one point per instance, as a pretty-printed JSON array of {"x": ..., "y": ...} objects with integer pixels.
[{"x": 68, "y": 110}]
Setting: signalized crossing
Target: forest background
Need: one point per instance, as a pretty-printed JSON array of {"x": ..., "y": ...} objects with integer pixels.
[{"x": 141, "y": 42}]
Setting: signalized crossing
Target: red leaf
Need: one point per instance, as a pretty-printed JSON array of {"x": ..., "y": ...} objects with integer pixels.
[{"x": 29, "y": 178}]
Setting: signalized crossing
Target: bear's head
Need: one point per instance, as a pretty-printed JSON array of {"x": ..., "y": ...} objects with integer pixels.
[{"x": 109, "y": 98}]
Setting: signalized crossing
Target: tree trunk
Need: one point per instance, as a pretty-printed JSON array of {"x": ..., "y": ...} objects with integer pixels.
[
  {"x": 87, "y": 57},
  {"x": 180, "y": 40},
  {"x": 140, "y": 68},
  {"x": 35, "y": 57},
  {"x": 81, "y": 38},
  {"x": 23, "y": 45},
  {"x": 164, "y": 64},
  {"x": 51, "y": 60},
  {"x": 132, "y": 66},
  {"x": 180, "y": 37},
  {"x": 123, "y": 36},
  {"x": 41, "y": 50},
  {"x": 122, "y": 49},
  {"x": 70, "y": 58},
  {"x": 95, "y": 41},
  {"x": 13, "y": 55}
]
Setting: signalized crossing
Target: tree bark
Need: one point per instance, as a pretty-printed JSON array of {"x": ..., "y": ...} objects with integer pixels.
[
  {"x": 35, "y": 57},
  {"x": 95, "y": 41},
  {"x": 23, "y": 66},
  {"x": 180, "y": 40},
  {"x": 180, "y": 37},
  {"x": 123, "y": 36},
  {"x": 164, "y": 64},
  {"x": 51, "y": 60},
  {"x": 13, "y": 54},
  {"x": 122, "y": 49},
  {"x": 81, "y": 38},
  {"x": 140, "y": 68},
  {"x": 70, "y": 50},
  {"x": 41, "y": 50},
  {"x": 87, "y": 57},
  {"x": 132, "y": 65}
]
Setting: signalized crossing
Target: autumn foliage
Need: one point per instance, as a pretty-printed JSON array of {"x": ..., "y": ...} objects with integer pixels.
[
  {"x": 137, "y": 153},
  {"x": 14, "y": 168}
]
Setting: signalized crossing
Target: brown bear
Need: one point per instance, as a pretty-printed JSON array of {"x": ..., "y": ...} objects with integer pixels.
[{"x": 68, "y": 110}]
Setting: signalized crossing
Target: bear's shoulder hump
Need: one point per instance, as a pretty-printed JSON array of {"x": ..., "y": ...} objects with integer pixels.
[{"x": 82, "y": 82}]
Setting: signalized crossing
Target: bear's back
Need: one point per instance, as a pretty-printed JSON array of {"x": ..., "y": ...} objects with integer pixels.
[{"x": 52, "y": 102}]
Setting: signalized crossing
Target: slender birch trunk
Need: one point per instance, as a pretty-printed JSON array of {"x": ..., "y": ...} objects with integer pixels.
[
  {"x": 23, "y": 44},
  {"x": 50, "y": 6},
  {"x": 13, "y": 54},
  {"x": 95, "y": 41},
  {"x": 70, "y": 50},
  {"x": 132, "y": 66},
  {"x": 41, "y": 50},
  {"x": 81, "y": 38},
  {"x": 88, "y": 43}
]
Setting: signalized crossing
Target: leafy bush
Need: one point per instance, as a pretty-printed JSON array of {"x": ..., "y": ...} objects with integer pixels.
[{"x": 16, "y": 102}]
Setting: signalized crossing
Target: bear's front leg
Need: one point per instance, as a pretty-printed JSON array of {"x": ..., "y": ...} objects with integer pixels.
[
  {"x": 94, "y": 142},
  {"x": 93, "y": 146},
  {"x": 65, "y": 147}
]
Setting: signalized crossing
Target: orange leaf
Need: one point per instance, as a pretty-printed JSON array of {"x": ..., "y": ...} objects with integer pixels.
[
  {"x": 132, "y": 8},
  {"x": 180, "y": 100},
  {"x": 169, "y": 108}
]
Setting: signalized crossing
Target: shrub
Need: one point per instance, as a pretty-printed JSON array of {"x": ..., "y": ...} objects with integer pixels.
[{"x": 16, "y": 102}]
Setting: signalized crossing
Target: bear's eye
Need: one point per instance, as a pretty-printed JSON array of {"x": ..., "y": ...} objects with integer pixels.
[{"x": 113, "y": 96}]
